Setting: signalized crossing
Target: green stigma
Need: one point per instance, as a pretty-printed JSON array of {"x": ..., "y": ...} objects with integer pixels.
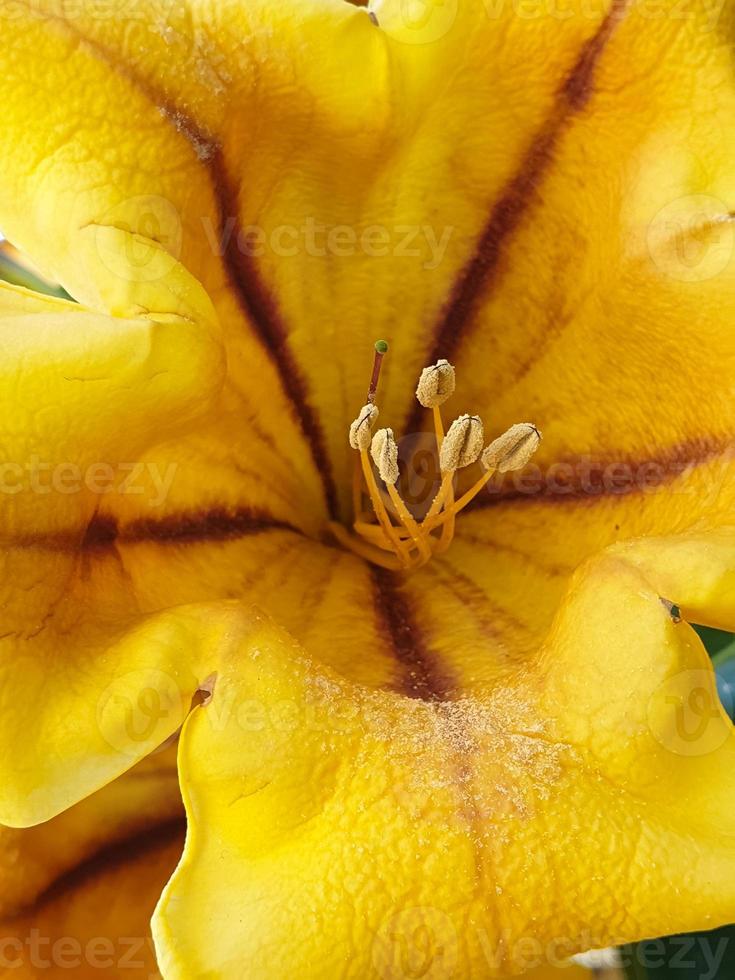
[{"x": 381, "y": 347}]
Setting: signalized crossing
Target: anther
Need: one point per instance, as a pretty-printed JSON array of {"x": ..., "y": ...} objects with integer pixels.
[
  {"x": 462, "y": 444},
  {"x": 361, "y": 430},
  {"x": 513, "y": 449},
  {"x": 384, "y": 450},
  {"x": 436, "y": 384}
]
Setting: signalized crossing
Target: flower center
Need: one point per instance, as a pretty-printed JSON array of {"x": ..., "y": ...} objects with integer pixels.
[{"x": 384, "y": 531}]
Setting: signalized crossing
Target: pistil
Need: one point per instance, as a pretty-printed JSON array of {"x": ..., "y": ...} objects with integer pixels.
[{"x": 381, "y": 349}]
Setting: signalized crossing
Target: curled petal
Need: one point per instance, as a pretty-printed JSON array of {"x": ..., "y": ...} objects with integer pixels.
[{"x": 471, "y": 814}]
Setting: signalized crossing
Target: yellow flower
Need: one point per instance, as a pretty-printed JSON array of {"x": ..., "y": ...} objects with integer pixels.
[{"x": 509, "y": 752}]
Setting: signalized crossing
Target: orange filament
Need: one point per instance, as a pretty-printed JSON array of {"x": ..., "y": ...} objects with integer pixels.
[{"x": 387, "y": 533}]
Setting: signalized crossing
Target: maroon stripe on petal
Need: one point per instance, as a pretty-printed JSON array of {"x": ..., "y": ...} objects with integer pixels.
[
  {"x": 260, "y": 308},
  {"x": 423, "y": 675},
  {"x": 254, "y": 298},
  {"x": 484, "y": 268},
  {"x": 190, "y": 527},
  {"x": 588, "y": 479}
]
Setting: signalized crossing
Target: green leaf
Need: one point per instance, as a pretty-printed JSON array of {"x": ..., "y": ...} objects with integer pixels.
[
  {"x": 699, "y": 956},
  {"x": 715, "y": 640},
  {"x": 18, "y": 275}
]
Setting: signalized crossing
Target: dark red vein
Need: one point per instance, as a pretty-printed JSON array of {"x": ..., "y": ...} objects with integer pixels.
[
  {"x": 254, "y": 299},
  {"x": 108, "y": 859},
  {"x": 573, "y": 478},
  {"x": 423, "y": 675},
  {"x": 589, "y": 479},
  {"x": 259, "y": 306},
  {"x": 484, "y": 268},
  {"x": 191, "y": 527}
]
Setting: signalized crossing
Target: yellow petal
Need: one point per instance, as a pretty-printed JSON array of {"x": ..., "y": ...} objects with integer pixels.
[
  {"x": 601, "y": 293},
  {"x": 362, "y": 821},
  {"x": 79, "y": 391},
  {"x": 77, "y": 892},
  {"x": 70, "y": 375},
  {"x": 106, "y": 686},
  {"x": 95, "y": 921},
  {"x": 161, "y": 153},
  {"x": 136, "y": 805},
  {"x": 85, "y": 907},
  {"x": 587, "y": 217},
  {"x": 547, "y": 204}
]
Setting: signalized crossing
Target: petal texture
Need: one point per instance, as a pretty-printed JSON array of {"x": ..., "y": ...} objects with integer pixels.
[
  {"x": 580, "y": 216},
  {"x": 457, "y": 756},
  {"x": 95, "y": 922},
  {"x": 601, "y": 769},
  {"x": 137, "y": 804}
]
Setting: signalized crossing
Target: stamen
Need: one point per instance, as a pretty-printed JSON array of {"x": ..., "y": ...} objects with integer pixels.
[
  {"x": 359, "y": 547},
  {"x": 436, "y": 384},
  {"x": 384, "y": 535},
  {"x": 461, "y": 447},
  {"x": 418, "y": 536},
  {"x": 447, "y": 532},
  {"x": 375, "y": 534},
  {"x": 463, "y": 443},
  {"x": 430, "y": 523},
  {"x": 361, "y": 430},
  {"x": 513, "y": 449},
  {"x": 380, "y": 510},
  {"x": 384, "y": 451},
  {"x": 356, "y": 488},
  {"x": 410, "y": 544}
]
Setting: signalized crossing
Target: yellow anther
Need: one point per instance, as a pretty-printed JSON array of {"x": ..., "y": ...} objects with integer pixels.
[
  {"x": 436, "y": 384},
  {"x": 384, "y": 450},
  {"x": 361, "y": 430},
  {"x": 380, "y": 510},
  {"x": 513, "y": 449},
  {"x": 462, "y": 444}
]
